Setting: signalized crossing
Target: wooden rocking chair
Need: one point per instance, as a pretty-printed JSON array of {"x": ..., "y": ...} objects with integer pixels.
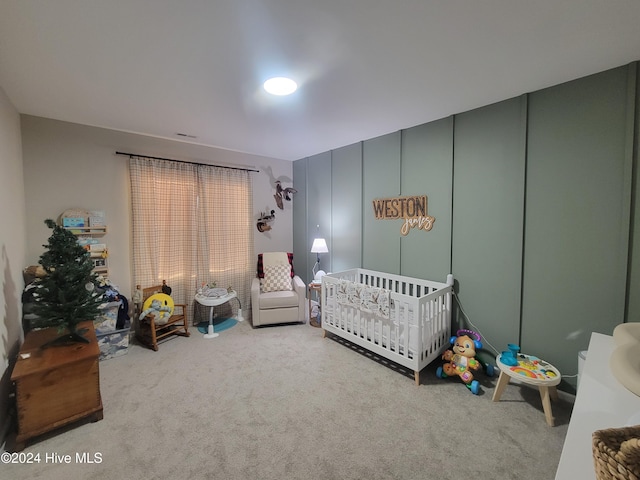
[{"x": 149, "y": 331}]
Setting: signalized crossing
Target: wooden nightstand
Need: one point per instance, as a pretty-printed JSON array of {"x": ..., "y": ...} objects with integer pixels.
[{"x": 314, "y": 287}]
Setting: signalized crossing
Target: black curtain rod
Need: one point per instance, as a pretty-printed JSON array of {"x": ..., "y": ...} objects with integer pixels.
[{"x": 184, "y": 161}]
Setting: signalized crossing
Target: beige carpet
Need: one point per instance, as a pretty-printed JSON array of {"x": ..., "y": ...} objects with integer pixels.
[{"x": 281, "y": 402}]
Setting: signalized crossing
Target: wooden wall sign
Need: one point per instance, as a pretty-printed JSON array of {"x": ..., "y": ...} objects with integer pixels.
[{"x": 413, "y": 210}]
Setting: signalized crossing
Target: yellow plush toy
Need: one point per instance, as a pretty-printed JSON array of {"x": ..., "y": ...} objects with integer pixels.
[
  {"x": 461, "y": 359},
  {"x": 160, "y": 306}
]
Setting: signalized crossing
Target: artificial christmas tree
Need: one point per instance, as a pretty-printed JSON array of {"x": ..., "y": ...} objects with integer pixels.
[{"x": 66, "y": 295}]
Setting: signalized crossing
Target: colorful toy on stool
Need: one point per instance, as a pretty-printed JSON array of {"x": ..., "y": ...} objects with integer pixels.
[
  {"x": 510, "y": 357},
  {"x": 461, "y": 359}
]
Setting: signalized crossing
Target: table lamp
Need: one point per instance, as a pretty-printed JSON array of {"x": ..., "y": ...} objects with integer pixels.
[{"x": 319, "y": 246}]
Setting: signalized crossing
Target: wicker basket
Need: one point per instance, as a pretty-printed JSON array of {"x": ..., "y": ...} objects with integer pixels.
[{"x": 616, "y": 453}]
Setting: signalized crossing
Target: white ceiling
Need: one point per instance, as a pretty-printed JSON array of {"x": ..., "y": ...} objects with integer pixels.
[{"x": 365, "y": 67}]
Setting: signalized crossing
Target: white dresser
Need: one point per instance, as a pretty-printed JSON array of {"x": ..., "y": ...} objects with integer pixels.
[{"x": 601, "y": 402}]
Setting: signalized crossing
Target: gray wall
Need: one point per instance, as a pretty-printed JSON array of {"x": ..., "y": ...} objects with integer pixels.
[
  {"x": 534, "y": 205},
  {"x": 13, "y": 236},
  {"x": 67, "y": 165}
]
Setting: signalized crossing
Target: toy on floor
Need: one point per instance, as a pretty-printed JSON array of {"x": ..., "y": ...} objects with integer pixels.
[{"x": 461, "y": 359}]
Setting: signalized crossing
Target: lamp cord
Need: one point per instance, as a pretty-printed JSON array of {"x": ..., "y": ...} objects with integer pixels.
[{"x": 484, "y": 339}]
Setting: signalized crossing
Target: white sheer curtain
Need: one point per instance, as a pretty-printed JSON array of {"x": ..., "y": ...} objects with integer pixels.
[{"x": 191, "y": 225}]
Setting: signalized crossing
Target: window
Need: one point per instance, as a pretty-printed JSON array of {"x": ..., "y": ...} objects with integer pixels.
[{"x": 192, "y": 224}]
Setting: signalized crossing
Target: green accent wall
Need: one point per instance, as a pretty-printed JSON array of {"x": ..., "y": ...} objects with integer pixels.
[
  {"x": 488, "y": 210},
  {"x": 346, "y": 205},
  {"x": 427, "y": 169},
  {"x": 535, "y": 204},
  {"x": 319, "y": 211},
  {"x": 300, "y": 241},
  {"x": 633, "y": 147},
  {"x": 577, "y": 215},
  {"x": 380, "y": 179}
]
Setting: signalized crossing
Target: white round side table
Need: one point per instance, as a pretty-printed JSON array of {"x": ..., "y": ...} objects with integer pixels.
[{"x": 532, "y": 371}]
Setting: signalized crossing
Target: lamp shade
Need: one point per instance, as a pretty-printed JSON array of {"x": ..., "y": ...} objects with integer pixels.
[{"x": 319, "y": 246}]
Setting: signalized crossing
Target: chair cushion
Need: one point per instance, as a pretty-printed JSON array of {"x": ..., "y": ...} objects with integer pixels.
[
  {"x": 276, "y": 278},
  {"x": 281, "y": 299},
  {"x": 274, "y": 258}
]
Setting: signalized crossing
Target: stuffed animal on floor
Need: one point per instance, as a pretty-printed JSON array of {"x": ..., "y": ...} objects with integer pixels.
[
  {"x": 160, "y": 312},
  {"x": 461, "y": 359}
]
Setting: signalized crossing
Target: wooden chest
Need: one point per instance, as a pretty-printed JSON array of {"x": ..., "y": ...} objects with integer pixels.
[{"x": 56, "y": 385}]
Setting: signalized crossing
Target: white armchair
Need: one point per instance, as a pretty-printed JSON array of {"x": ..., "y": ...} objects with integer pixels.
[{"x": 276, "y": 296}]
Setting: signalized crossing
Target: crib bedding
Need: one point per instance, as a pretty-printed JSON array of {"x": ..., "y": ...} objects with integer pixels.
[
  {"x": 385, "y": 331},
  {"x": 403, "y": 319},
  {"x": 364, "y": 297},
  {"x": 382, "y": 329}
]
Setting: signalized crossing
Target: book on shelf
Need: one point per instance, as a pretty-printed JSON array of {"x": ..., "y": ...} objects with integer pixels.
[
  {"x": 99, "y": 262},
  {"x": 96, "y": 218},
  {"x": 84, "y": 241},
  {"x": 69, "y": 222}
]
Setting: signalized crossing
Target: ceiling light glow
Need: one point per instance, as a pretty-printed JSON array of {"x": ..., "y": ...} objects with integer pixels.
[{"x": 280, "y": 86}]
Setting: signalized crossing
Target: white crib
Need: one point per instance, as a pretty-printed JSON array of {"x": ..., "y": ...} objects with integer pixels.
[{"x": 405, "y": 320}]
